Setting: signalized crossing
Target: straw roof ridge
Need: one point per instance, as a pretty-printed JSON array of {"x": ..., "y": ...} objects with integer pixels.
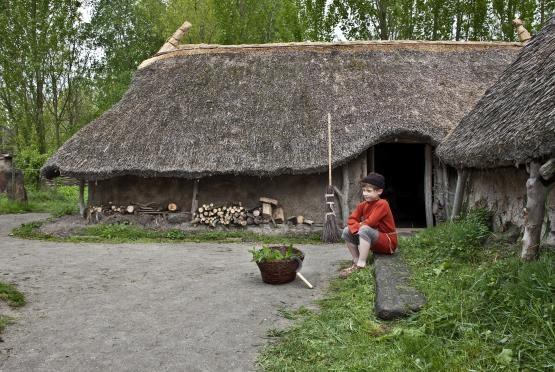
[
  {"x": 514, "y": 122},
  {"x": 237, "y": 112}
]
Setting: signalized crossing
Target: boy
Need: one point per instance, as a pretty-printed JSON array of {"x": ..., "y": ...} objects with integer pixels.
[{"x": 371, "y": 226}]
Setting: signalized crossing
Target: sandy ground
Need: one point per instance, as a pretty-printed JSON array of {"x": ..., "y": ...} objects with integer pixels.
[{"x": 145, "y": 307}]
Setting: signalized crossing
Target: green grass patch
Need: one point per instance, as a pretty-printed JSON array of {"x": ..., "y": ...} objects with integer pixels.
[
  {"x": 486, "y": 310},
  {"x": 4, "y": 321},
  {"x": 126, "y": 233},
  {"x": 59, "y": 201},
  {"x": 11, "y": 295}
]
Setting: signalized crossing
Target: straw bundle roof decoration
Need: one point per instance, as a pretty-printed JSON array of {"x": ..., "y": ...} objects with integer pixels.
[
  {"x": 514, "y": 122},
  {"x": 261, "y": 109}
]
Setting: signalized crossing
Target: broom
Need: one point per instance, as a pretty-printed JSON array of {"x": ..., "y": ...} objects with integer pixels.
[{"x": 330, "y": 233}]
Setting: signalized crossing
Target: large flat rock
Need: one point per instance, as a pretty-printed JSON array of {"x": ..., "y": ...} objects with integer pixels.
[{"x": 395, "y": 297}]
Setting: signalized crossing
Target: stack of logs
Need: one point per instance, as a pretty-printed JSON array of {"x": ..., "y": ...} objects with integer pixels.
[{"x": 235, "y": 215}]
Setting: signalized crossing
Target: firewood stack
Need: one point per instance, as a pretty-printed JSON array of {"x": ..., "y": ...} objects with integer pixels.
[
  {"x": 211, "y": 215},
  {"x": 269, "y": 211}
]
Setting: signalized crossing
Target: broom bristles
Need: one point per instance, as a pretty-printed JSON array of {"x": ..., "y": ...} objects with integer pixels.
[{"x": 330, "y": 232}]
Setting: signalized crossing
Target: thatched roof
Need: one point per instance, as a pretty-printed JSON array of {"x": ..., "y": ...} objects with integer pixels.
[
  {"x": 515, "y": 120},
  {"x": 261, "y": 109}
]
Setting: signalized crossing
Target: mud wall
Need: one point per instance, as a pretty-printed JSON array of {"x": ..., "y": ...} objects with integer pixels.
[
  {"x": 503, "y": 192},
  {"x": 298, "y": 194}
]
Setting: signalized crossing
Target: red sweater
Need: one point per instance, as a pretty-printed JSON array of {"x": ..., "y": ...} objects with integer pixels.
[{"x": 377, "y": 215}]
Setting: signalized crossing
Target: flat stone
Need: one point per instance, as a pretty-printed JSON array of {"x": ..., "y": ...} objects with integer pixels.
[{"x": 395, "y": 297}]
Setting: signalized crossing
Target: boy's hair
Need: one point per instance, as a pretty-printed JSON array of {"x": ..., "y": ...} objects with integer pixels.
[{"x": 374, "y": 179}]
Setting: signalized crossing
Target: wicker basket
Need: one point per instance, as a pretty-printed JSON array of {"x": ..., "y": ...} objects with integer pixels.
[{"x": 281, "y": 271}]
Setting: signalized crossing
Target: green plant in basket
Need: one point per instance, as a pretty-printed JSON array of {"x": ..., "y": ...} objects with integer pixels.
[{"x": 266, "y": 254}]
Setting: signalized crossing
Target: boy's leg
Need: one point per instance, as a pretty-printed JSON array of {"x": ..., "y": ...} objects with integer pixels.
[
  {"x": 352, "y": 243},
  {"x": 368, "y": 236}
]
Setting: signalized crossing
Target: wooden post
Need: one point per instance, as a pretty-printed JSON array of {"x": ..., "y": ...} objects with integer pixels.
[
  {"x": 550, "y": 241},
  {"x": 371, "y": 162},
  {"x": 462, "y": 176},
  {"x": 194, "y": 202},
  {"x": 428, "y": 185},
  {"x": 90, "y": 192},
  {"x": 533, "y": 214},
  {"x": 364, "y": 164},
  {"x": 343, "y": 194},
  {"x": 446, "y": 198},
  {"x": 82, "y": 197}
]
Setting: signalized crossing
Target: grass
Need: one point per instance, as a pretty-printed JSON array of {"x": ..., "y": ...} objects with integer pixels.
[
  {"x": 59, "y": 201},
  {"x": 13, "y": 297},
  {"x": 486, "y": 310},
  {"x": 125, "y": 233}
]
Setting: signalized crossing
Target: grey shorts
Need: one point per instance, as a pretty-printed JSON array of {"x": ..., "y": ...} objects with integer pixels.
[{"x": 365, "y": 232}]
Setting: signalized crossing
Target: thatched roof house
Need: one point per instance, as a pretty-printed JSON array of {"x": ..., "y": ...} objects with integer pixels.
[
  {"x": 260, "y": 110},
  {"x": 514, "y": 122}
]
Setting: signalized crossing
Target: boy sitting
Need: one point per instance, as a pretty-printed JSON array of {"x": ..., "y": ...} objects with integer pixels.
[{"x": 371, "y": 226}]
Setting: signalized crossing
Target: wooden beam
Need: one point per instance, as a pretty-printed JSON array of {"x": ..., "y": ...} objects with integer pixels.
[
  {"x": 82, "y": 197},
  {"x": 343, "y": 194},
  {"x": 194, "y": 202},
  {"x": 364, "y": 165},
  {"x": 533, "y": 214},
  {"x": 446, "y": 198},
  {"x": 428, "y": 185},
  {"x": 462, "y": 176},
  {"x": 371, "y": 162}
]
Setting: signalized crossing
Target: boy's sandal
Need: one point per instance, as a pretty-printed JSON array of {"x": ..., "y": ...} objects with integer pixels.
[{"x": 348, "y": 271}]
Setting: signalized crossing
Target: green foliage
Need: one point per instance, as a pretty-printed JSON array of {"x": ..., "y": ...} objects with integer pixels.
[
  {"x": 30, "y": 160},
  {"x": 59, "y": 201},
  {"x": 490, "y": 312},
  {"x": 11, "y": 295},
  {"x": 266, "y": 254},
  {"x": 460, "y": 239}
]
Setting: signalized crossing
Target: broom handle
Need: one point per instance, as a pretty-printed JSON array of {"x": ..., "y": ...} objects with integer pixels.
[{"x": 329, "y": 148}]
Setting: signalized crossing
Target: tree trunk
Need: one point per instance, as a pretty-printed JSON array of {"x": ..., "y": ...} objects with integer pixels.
[{"x": 533, "y": 214}]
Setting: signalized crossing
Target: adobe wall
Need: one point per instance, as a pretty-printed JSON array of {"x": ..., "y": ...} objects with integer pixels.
[
  {"x": 298, "y": 194},
  {"x": 502, "y": 191}
]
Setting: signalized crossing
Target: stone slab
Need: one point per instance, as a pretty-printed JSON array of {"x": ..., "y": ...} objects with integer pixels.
[{"x": 395, "y": 297}]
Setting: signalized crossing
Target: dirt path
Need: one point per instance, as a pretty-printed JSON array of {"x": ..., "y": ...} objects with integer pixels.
[{"x": 144, "y": 307}]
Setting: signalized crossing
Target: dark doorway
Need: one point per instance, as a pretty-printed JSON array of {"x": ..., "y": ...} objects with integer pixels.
[{"x": 402, "y": 165}]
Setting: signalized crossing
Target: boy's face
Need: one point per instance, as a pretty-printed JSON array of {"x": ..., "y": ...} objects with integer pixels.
[{"x": 370, "y": 192}]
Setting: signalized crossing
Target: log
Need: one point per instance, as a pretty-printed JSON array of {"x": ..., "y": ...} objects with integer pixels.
[
  {"x": 300, "y": 220},
  {"x": 250, "y": 220},
  {"x": 258, "y": 220},
  {"x": 266, "y": 210},
  {"x": 278, "y": 215},
  {"x": 271, "y": 201},
  {"x": 256, "y": 213},
  {"x": 130, "y": 209},
  {"x": 308, "y": 222},
  {"x": 533, "y": 214}
]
